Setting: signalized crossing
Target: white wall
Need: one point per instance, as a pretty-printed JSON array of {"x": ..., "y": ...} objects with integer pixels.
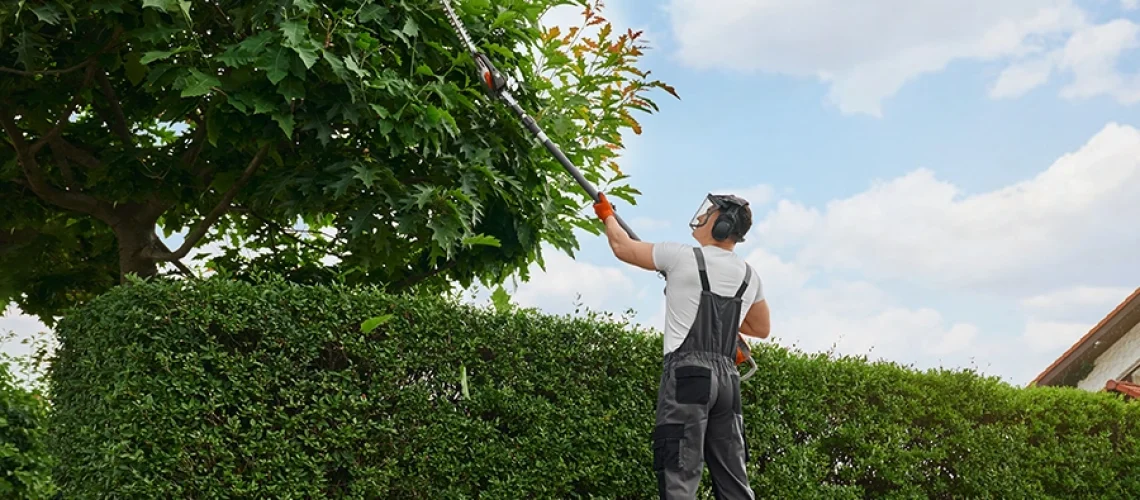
[{"x": 1115, "y": 360}]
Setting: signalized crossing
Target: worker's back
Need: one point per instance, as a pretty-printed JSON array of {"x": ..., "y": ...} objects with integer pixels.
[{"x": 726, "y": 272}]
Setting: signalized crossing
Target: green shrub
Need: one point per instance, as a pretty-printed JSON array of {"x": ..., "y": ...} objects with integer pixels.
[
  {"x": 25, "y": 466},
  {"x": 226, "y": 389}
]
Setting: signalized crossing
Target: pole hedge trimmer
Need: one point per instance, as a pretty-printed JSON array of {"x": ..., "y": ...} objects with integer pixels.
[{"x": 495, "y": 84}]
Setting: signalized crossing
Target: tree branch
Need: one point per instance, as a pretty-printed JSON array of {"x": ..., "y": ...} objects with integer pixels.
[
  {"x": 39, "y": 184},
  {"x": 203, "y": 226},
  {"x": 16, "y": 237},
  {"x": 64, "y": 168},
  {"x": 75, "y": 154},
  {"x": 197, "y": 143},
  {"x": 277, "y": 227},
  {"x": 67, "y": 112},
  {"x": 70, "y": 69},
  {"x": 119, "y": 120},
  {"x": 176, "y": 263}
]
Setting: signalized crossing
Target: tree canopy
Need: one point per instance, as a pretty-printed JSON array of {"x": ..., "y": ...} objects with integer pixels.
[{"x": 360, "y": 121}]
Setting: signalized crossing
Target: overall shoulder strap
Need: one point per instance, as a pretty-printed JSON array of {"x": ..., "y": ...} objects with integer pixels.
[
  {"x": 702, "y": 269},
  {"x": 747, "y": 278}
]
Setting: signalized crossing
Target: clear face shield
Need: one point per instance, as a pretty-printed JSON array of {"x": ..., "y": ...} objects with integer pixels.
[{"x": 701, "y": 217}]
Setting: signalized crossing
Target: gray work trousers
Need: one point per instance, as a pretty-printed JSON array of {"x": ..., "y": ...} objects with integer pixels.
[{"x": 699, "y": 420}]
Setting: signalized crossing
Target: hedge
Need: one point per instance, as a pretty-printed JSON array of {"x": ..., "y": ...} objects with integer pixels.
[
  {"x": 240, "y": 390},
  {"x": 25, "y": 466}
]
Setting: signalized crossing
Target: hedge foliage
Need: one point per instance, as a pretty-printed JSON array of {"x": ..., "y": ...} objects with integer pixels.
[
  {"x": 25, "y": 466},
  {"x": 239, "y": 390}
]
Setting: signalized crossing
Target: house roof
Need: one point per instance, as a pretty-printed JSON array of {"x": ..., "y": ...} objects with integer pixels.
[
  {"x": 1127, "y": 388},
  {"x": 1095, "y": 341}
]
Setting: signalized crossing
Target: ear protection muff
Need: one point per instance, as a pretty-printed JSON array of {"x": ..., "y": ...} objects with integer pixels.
[
  {"x": 726, "y": 220},
  {"x": 725, "y": 223}
]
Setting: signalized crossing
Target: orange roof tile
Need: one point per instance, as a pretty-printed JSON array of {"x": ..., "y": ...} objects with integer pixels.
[{"x": 1126, "y": 388}]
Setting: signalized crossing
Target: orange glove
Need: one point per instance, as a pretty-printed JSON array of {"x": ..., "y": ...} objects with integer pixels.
[{"x": 603, "y": 207}]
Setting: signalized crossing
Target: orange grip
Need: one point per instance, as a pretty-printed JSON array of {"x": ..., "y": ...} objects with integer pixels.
[{"x": 742, "y": 350}]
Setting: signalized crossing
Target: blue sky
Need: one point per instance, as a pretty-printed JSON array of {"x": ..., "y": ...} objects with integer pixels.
[
  {"x": 903, "y": 161},
  {"x": 967, "y": 254}
]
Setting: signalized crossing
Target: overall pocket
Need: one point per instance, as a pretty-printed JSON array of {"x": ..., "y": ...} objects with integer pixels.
[
  {"x": 694, "y": 384},
  {"x": 667, "y": 440}
]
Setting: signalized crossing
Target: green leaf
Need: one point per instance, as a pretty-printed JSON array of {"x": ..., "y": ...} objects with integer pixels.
[
  {"x": 285, "y": 121},
  {"x": 291, "y": 88},
  {"x": 199, "y": 83},
  {"x": 350, "y": 63},
  {"x": 27, "y": 49},
  {"x": 262, "y": 104},
  {"x": 47, "y": 13},
  {"x": 308, "y": 54},
  {"x": 305, "y": 5},
  {"x": 184, "y": 5},
  {"x": 296, "y": 32},
  {"x": 155, "y": 33},
  {"x": 411, "y": 28},
  {"x": 463, "y": 381},
  {"x": 136, "y": 71},
  {"x": 371, "y": 12},
  {"x": 248, "y": 51},
  {"x": 278, "y": 64},
  {"x": 238, "y": 102},
  {"x": 366, "y": 175},
  {"x": 482, "y": 239},
  {"x": 158, "y": 55},
  {"x": 107, "y": 6},
  {"x": 336, "y": 64},
  {"x": 372, "y": 323},
  {"x": 501, "y": 300},
  {"x": 163, "y": 5},
  {"x": 504, "y": 17},
  {"x": 213, "y": 126}
]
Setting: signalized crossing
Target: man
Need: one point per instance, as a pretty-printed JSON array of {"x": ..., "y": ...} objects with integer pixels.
[{"x": 708, "y": 287}]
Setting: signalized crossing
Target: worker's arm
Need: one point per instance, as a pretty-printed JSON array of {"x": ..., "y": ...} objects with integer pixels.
[
  {"x": 756, "y": 323},
  {"x": 625, "y": 248}
]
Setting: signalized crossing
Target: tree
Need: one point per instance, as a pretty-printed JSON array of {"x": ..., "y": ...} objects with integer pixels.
[{"x": 246, "y": 120}]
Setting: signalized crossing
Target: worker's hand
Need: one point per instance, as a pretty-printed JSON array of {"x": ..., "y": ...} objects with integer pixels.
[{"x": 603, "y": 207}]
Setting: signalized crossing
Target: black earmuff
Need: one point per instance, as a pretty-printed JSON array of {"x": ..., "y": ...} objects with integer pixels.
[{"x": 725, "y": 222}]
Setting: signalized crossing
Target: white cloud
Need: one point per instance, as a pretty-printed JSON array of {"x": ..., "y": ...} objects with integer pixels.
[
  {"x": 1020, "y": 78},
  {"x": 1057, "y": 319},
  {"x": 867, "y": 51},
  {"x": 1078, "y": 298},
  {"x": 565, "y": 283},
  {"x": 854, "y": 317},
  {"x": 557, "y": 289},
  {"x": 1036, "y": 233},
  {"x": 757, "y": 196},
  {"x": 648, "y": 224},
  {"x": 1052, "y": 337},
  {"x": 1090, "y": 56},
  {"x": 1129, "y": 4}
]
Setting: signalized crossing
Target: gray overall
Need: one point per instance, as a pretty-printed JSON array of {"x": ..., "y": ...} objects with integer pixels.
[{"x": 699, "y": 417}]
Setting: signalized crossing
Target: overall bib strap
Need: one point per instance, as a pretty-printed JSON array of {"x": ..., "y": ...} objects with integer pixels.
[
  {"x": 701, "y": 267},
  {"x": 747, "y": 278}
]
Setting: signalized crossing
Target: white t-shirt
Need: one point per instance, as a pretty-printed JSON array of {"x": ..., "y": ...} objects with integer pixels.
[{"x": 683, "y": 284}]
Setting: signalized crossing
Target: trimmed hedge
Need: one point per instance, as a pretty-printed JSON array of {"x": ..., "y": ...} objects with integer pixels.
[
  {"x": 25, "y": 466},
  {"x": 228, "y": 389}
]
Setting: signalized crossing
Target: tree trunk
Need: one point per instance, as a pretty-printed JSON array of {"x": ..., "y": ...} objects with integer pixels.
[{"x": 135, "y": 237}]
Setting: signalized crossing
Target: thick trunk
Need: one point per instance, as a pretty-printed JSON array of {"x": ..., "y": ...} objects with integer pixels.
[{"x": 135, "y": 237}]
